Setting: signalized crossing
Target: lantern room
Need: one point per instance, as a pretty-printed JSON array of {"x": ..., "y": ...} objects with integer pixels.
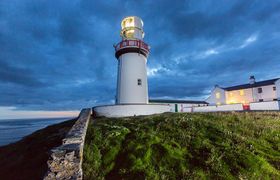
[{"x": 132, "y": 28}]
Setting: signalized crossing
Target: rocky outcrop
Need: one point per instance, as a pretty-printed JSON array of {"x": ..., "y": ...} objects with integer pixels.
[{"x": 66, "y": 160}]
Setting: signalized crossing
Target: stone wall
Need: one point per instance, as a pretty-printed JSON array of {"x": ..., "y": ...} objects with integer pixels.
[{"x": 66, "y": 160}]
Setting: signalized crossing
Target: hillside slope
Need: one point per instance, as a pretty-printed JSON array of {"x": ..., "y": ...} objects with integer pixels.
[
  {"x": 184, "y": 146},
  {"x": 27, "y": 158}
]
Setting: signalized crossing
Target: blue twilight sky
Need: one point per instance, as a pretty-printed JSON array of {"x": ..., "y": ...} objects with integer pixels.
[{"x": 58, "y": 55}]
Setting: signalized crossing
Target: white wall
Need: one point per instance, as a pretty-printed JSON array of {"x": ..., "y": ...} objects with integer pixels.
[
  {"x": 227, "y": 107},
  {"x": 183, "y": 107},
  {"x": 277, "y": 84},
  {"x": 132, "y": 66},
  {"x": 212, "y": 100},
  {"x": 269, "y": 105},
  {"x": 130, "y": 110},
  {"x": 267, "y": 93}
]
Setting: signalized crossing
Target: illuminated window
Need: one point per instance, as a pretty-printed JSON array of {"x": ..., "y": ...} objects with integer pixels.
[
  {"x": 241, "y": 92},
  {"x": 128, "y": 22},
  {"x": 129, "y": 33},
  {"x": 218, "y": 103},
  {"x": 230, "y": 94},
  {"x": 139, "y": 82},
  {"x": 218, "y": 95},
  {"x": 128, "y": 26}
]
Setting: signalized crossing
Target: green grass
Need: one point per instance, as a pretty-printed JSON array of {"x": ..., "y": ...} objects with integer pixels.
[{"x": 184, "y": 146}]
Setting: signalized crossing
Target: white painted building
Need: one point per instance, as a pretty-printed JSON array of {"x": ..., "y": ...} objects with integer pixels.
[
  {"x": 132, "y": 53},
  {"x": 254, "y": 91},
  {"x": 132, "y": 85}
]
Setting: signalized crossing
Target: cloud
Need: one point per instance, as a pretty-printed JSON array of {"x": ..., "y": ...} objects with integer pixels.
[
  {"x": 151, "y": 72},
  {"x": 249, "y": 41},
  {"x": 59, "y": 55}
]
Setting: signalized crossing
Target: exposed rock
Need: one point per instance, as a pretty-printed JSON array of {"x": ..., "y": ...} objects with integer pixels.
[{"x": 66, "y": 160}]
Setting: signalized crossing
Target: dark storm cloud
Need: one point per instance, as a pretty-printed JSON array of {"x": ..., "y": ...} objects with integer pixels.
[{"x": 58, "y": 55}]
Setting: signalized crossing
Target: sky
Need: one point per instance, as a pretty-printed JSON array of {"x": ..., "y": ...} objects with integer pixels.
[{"x": 58, "y": 56}]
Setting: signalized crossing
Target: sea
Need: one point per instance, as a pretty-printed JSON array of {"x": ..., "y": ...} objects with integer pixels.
[{"x": 12, "y": 130}]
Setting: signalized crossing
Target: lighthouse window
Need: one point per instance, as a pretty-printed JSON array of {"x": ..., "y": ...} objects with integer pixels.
[{"x": 139, "y": 82}]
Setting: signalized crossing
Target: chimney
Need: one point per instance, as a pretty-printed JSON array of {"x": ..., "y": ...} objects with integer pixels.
[{"x": 252, "y": 80}]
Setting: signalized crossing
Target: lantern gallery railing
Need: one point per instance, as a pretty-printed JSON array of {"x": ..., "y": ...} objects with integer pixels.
[{"x": 132, "y": 43}]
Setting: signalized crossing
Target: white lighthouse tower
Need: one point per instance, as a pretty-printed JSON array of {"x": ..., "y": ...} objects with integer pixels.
[
  {"x": 132, "y": 86},
  {"x": 132, "y": 53}
]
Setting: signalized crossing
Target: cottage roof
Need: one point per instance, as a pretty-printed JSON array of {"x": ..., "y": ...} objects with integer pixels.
[{"x": 247, "y": 86}]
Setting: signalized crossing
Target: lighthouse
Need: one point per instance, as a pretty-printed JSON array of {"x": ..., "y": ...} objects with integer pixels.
[
  {"x": 132, "y": 53},
  {"x": 132, "y": 87}
]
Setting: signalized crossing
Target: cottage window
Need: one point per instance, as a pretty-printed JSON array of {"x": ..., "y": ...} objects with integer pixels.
[
  {"x": 139, "y": 82},
  {"x": 230, "y": 94},
  {"x": 218, "y": 95},
  {"x": 274, "y": 88},
  {"x": 259, "y": 90},
  {"x": 241, "y": 92},
  {"x": 260, "y": 100}
]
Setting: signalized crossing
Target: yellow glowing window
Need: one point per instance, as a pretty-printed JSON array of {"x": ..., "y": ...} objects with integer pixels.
[
  {"x": 128, "y": 22},
  {"x": 230, "y": 94},
  {"x": 218, "y": 103},
  {"x": 129, "y": 33},
  {"x": 218, "y": 95},
  {"x": 241, "y": 92}
]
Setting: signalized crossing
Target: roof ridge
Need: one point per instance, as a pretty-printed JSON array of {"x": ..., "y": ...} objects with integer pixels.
[{"x": 248, "y": 85}]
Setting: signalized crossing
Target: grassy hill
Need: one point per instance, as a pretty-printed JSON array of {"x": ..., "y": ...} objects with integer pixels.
[{"x": 184, "y": 146}]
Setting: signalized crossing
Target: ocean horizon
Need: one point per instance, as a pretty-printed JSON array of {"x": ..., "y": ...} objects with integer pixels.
[{"x": 13, "y": 130}]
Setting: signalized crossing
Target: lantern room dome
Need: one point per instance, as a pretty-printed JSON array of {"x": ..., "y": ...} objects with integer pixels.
[{"x": 132, "y": 28}]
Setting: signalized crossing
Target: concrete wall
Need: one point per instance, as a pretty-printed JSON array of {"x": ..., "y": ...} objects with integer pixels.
[
  {"x": 227, "y": 107},
  {"x": 131, "y": 67},
  {"x": 66, "y": 160},
  {"x": 183, "y": 107},
  {"x": 277, "y": 85},
  {"x": 130, "y": 110},
  {"x": 269, "y": 105}
]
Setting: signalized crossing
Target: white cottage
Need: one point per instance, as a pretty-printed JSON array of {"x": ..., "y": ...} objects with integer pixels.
[{"x": 268, "y": 90}]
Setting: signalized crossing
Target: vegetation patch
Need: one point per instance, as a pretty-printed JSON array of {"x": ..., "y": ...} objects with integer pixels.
[{"x": 184, "y": 146}]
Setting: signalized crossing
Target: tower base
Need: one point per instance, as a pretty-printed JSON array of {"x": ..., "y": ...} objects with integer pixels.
[{"x": 130, "y": 110}]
